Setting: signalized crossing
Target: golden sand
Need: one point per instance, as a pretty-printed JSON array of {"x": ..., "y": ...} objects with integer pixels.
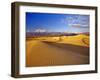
[
  {"x": 80, "y": 40},
  {"x": 50, "y": 51}
]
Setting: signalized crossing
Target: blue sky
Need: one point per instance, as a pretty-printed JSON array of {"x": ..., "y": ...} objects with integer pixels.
[{"x": 49, "y": 22}]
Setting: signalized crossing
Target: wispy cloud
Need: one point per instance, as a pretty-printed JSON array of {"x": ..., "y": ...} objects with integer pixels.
[{"x": 79, "y": 25}]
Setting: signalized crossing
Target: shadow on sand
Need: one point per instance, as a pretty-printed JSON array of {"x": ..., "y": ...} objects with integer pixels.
[{"x": 77, "y": 49}]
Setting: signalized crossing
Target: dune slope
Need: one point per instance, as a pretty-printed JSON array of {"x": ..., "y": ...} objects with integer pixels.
[{"x": 43, "y": 53}]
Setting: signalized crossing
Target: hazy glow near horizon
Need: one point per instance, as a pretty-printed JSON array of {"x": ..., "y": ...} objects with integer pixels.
[{"x": 49, "y": 22}]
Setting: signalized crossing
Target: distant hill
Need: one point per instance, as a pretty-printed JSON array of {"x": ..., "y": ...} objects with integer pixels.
[{"x": 38, "y": 34}]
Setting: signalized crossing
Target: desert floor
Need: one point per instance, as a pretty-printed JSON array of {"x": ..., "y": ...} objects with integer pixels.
[{"x": 51, "y": 51}]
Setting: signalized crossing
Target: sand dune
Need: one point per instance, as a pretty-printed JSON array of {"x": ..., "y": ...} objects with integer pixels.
[
  {"x": 46, "y": 53},
  {"x": 81, "y": 40}
]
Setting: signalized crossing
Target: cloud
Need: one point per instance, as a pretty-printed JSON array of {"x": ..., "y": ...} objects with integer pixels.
[
  {"x": 40, "y": 30},
  {"x": 79, "y": 25}
]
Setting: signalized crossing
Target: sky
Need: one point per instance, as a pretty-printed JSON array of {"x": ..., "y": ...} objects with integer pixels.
[{"x": 51, "y": 22}]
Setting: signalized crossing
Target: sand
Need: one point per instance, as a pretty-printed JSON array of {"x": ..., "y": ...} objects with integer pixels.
[
  {"x": 80, "y": 40},
  {"x": 52, "y": 52}
]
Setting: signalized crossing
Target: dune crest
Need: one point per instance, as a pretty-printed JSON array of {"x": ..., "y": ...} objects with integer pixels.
[{"x": 81, "y": 40}]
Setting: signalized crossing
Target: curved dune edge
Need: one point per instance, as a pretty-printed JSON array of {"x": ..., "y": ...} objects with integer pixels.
[{"x": 80, "y": 40}]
